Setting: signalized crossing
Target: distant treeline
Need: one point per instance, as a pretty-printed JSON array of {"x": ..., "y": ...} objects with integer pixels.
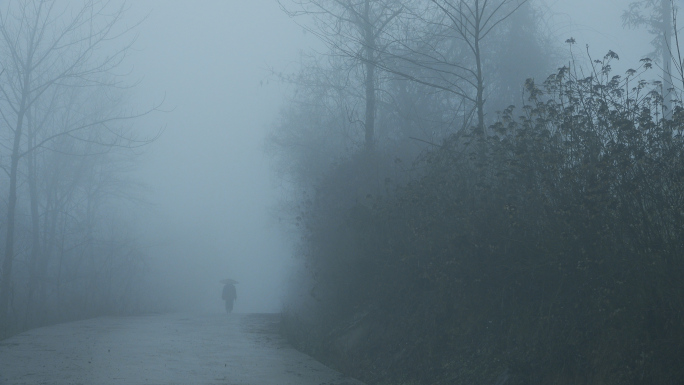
[{"x": 67, "y": 145}]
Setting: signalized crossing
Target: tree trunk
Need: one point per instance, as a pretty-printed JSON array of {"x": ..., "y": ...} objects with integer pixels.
[
  {"x": 369, "y": 41},
  {"x": 480, "y": 92},
  {"x": 479, "y": 99},
  {"x": 34, "y": 271},
  {"x": 666, "y": 7},
  {"x": 6, "y": 285},
  {"x": 11, "y": 214}
]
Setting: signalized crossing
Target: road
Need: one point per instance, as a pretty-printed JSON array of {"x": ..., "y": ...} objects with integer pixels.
[{"x": 162, "y": 349}]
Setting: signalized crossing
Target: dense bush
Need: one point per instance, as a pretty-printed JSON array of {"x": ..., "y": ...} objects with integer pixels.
[{"x": 549, "y": 253}]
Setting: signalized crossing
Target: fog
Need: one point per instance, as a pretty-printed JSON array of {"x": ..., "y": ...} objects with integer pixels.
[
  {"x": 210, "y": 199},
  {"x": 210, "y": 182},
  {"x": 429, "y": 191},
  {"x": 214, "y": 197}
]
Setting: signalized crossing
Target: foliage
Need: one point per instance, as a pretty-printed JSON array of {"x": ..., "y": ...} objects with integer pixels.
[{"x": 552, "y": 257}]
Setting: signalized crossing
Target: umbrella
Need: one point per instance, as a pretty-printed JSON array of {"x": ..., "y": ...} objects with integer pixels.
[{"x": 226, "y": 281}]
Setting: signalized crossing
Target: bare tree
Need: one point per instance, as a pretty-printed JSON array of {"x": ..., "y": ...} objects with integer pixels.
[
  {"x": 658, "y": 16},
  {"x": 353, "y": 29},
  {"x": 47, "y": 47},
  {"x": 472, "y": 21}
]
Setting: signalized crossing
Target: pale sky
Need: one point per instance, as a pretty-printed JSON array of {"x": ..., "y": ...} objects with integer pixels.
[{"x": 208, "y": 174}]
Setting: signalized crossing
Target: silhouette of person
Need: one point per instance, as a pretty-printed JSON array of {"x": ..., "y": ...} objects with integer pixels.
[{"x": 229, "y": 295}]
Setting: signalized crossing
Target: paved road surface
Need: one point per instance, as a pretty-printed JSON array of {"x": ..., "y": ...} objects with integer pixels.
[{"x": 161, "y": 349}]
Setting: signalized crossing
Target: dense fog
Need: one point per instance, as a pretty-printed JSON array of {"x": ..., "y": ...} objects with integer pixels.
[
  {"x": 407, "y": 181},
  {"x": 215, "y": 65},
  {"x": 211, "y": 182},
  {"x": 214, "y": 196},
  {"x": 428, "y": 191},
  {"x": 209, "y": 205}
]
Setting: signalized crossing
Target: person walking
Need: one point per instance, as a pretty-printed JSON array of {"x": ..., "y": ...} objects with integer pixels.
[{"x": 229, "y": 293}]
